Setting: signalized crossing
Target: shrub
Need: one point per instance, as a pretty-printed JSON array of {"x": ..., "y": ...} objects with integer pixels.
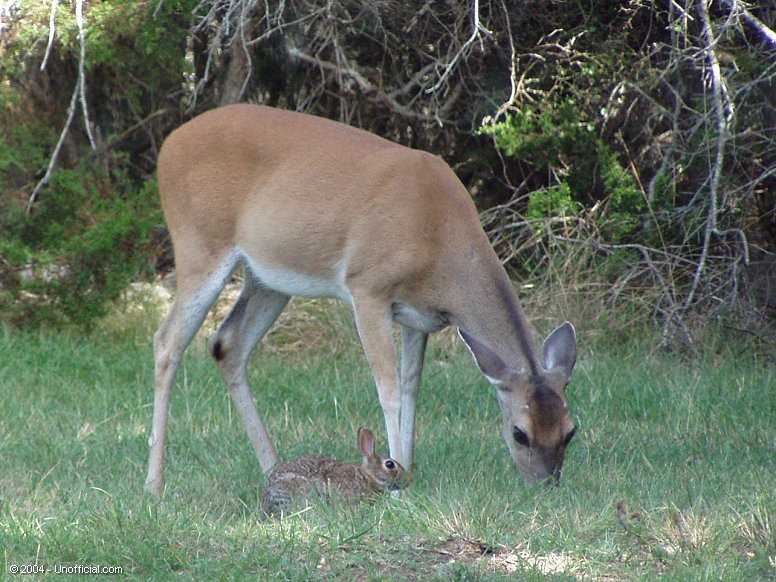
[
  {"x": 92, "y": 228},
  {"x": 68, "y": 260},
  {"x": 556, "y": 141}
]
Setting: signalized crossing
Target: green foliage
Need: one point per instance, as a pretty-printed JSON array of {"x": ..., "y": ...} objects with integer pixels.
[
  {"x": 90, "y": 232},
  {"x": 541, "y": 136},
  {"x": 558, "y": 141},
  {"x": 626, "y": 202},
  {"x": 554, "y": 201},
  {"x": 77, "y": 252},
  {"x": 118, "y": 34},
  {"x": 22, "y": 148},
  {"x": 123, "y": 36}
]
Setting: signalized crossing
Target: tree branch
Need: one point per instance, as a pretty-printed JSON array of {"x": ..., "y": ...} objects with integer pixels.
[
  {"x": 52, "y": 33},
  {"x": 721, "y": 130},
  {"x": 53, "y": 160},
  {"x": 364, "y": 84},
  {"x": 737, "y": 9},
  {"x": 475, "y": 35},
  {"x": 79, "y": 19},
  {"x": 79, "y": 93}
]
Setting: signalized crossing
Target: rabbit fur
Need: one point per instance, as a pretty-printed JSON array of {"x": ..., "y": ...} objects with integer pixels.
[{"x": 305, "y": 479}]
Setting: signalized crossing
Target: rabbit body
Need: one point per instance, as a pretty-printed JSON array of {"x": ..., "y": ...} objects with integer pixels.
[{"x": 305, "y": 479}]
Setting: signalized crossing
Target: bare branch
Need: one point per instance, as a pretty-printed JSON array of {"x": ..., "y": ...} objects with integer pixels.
[
  {"x": 721, "y": 130},
  {"x": 513, "y": 83},
  {"x": 52, "y": 33},
  {"x": 240, "y": 62},
  {"x": 737, "y": 9},
  {"x": 464, "y": 49},
  {"x": 79, "y": 94},
  {"x": 79, "y": 19},
  {"x": 363, "y": 83},
  {"x": 53, "y": 160}
]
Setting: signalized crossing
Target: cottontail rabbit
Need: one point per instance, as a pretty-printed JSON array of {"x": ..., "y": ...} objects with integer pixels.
[{"x": 304, "y": 479}]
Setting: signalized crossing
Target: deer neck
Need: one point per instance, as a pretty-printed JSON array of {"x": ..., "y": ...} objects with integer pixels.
[{"x": 490, "y": 311}]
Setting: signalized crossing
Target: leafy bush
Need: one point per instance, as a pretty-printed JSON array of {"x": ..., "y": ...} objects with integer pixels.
[
  {"x": 554, "y": 201},
  {"x": 68, "y": 260},
  {"x": 556, "y": 141},
  {"x": 92, "y": 228}
]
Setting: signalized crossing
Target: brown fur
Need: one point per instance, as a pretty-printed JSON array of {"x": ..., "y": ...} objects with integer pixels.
[
  {"x": 312, "y": 207},
  {"x": 303, "y": 480}
]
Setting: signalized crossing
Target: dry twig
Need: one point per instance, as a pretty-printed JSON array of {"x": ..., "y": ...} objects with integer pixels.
[{"x": 79, "y": 93}]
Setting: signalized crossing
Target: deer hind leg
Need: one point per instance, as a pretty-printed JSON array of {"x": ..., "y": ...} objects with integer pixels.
[
  {"x": 373, "y": 321},
  {"x": 170, "y": 341},
  {"x": 247, "y": 323},
  {"x": 413, "y": 349}
]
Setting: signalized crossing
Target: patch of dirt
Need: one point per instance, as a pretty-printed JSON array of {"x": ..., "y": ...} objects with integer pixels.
[{"x": 445, "y": 558}]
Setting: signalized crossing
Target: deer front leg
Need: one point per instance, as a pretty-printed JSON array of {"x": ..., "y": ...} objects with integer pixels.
[
  {"x": 413, "y": 349},
  {"x": 373, "y": 321}
]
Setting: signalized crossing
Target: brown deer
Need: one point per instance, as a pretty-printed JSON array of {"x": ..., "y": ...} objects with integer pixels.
[{"x": 316, "y": 208}]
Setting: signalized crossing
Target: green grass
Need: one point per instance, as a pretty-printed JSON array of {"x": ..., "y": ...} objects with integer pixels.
[{"x": 687, "y": 451}]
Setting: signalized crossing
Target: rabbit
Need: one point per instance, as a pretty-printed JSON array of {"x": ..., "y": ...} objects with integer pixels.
[{"x": 304, "y": 479}]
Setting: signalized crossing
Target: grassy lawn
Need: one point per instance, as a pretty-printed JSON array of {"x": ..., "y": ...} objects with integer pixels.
[{"x": 672, "y": 475}]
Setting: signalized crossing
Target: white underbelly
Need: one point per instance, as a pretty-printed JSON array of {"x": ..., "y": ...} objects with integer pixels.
[{"x": 299, "y": 284}]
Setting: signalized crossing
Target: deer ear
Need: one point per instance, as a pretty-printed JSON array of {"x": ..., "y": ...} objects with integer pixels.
[
  {"x": 560, "y": 349},
  {"x": 491, "y": 366}
]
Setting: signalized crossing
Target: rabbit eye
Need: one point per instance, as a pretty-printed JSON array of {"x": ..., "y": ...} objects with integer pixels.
[{"x": 389, "y": 464}]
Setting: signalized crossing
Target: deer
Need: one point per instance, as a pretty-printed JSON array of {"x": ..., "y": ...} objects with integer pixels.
[{"x": 311, "y": 207}]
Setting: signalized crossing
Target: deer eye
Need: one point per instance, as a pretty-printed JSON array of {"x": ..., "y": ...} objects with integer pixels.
[
  {"x": 570, "y": 436},
  {"x": 520, "y": 437},
  {"x": 389, "y": 464}
]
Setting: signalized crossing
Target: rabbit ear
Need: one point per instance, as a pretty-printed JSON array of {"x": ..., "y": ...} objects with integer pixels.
[{"x": 366, "y": 442}]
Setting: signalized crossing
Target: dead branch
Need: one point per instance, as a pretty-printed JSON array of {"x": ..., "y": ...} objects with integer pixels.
[
  {"x": 52, "y": 33},
  {"x": 737, "y": 9},
  {"x": 363, "y": 83},
  {"x": 79, "y": 94},
  {"x": 721, "y": 137},
  {"x": 477, "y": 30},
  {"x": 513, "y": 82},
  {"x": 79, "y": 19},
  {"x": 238, "y": 72},
  {"x": 55, "y": 155}
]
